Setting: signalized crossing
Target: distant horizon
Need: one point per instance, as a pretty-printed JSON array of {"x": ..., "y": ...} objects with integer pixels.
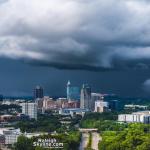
[{"x": 63, "y": 96}]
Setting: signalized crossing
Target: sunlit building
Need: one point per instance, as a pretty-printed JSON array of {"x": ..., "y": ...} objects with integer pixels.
[
  {"x": 95, "y": 97},
  {"x": 29, "y": 109},
  {"x": 101, "y": 106},
  {"x": 49, "y": 103},
  {"x": 139, "y": 117},
  {"x": 85, "y": 98}
]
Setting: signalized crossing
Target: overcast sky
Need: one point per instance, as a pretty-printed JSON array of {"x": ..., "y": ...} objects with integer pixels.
[{"x": 105, "y": 43}]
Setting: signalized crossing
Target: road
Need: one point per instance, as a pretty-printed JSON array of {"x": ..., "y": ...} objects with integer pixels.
[
  {"x": 85, "y": 138},
  {"x": 84, "y": 141},
  {"x": 95, "y": 140}
]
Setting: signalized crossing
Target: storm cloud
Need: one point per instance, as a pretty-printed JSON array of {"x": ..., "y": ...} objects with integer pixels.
[{"x": 77, "y": 34}]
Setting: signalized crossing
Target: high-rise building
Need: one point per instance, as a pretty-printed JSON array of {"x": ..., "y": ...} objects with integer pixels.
[
  {"x": 85, "y": 98},
  {"x": 30, "y": 109},
  {"x": 73, "y": 92},
  {"x": 38, "y": 92}
]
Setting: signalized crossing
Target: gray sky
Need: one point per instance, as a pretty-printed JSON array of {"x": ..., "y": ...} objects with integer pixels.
[{"x": 104, "y": 43}]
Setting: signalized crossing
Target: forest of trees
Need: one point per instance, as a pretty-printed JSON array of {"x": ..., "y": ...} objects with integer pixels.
[
  {"x": 135, "y": 137},
  {"x": 43, "y": 124},
  {"x": 102, "y": 121}
]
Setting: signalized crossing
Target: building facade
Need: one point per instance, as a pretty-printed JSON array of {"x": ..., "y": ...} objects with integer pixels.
[
  {"x": 95, "y": 97},
  {"x": 11, "y": 135},
  {"x": 29, "y": 109},
  {"x": 38, "y": 92},
  {"x": 85, "y": 98},
  {"x": 139, "y": 117},
  {"x": 49, "y": 103},
  {"x": 73, "y": 92},
  {"x": 73, "y": 111},
  {"x": 101, "y": 106}
]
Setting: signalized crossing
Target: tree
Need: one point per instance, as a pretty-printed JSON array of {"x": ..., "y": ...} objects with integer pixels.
[
  {"x": 135, "y": 137},
  {"x": 23, "y": 143}
]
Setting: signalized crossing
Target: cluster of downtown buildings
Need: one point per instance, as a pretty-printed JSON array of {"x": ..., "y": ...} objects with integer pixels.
[{"x": 77, "y": 101}]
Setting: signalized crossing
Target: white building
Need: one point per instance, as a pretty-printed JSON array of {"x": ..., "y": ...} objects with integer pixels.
[
  {"x": 101, "y": 106},
  {"x": 135, "y": 106},
  {"x": 140, "y": 117},
  {"x": 73, "y": 111},
  {"x": 10, "y": 135},
  {"x": 30, "y": 109},
  {"x": 96, "y": 97}
]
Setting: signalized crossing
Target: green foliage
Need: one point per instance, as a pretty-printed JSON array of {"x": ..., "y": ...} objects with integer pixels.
[
  {"x": 102, "y": 121},
  {"x": 101, "y": 116},
  {"x": 43, "y": 124},
  {"x": 9, "y": 108},
  {"x": 135, "y": 137},
  {"x": 71, "y": 141},
  {"x": 23, "y": 143}
]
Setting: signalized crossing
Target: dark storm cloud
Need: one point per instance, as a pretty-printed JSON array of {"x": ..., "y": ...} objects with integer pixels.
[{"x": 67, "y": 34}]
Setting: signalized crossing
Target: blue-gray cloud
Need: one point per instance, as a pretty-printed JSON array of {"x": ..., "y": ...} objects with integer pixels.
[{"x": 68, "y": 34}]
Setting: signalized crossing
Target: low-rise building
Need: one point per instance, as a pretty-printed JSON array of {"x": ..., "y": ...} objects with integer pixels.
[
  {"x": 73, "y": 111},
  {"x": 139, "y": 117},
  {"x": 49, "y": 103},
  {"x": 101, "y": 106},
  {"x": 10, "y": 135},
  {"x": 71, "y": 104},
  {"x": 95, "y": 97},
  {"x": 7, "y": 118},
  {"x": 135, "y": 107}
]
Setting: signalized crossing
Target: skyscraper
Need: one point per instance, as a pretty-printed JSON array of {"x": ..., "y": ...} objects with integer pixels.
[
  {"x": 38, "y": 92},
  {"x": 73, "y": 92},
  {"x": 68, "y": 90},
  {"x": 85, "y": 98}
]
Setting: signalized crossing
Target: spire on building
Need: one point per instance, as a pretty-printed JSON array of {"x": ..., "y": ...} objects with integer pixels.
[{"x": 69, "y": 83}]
